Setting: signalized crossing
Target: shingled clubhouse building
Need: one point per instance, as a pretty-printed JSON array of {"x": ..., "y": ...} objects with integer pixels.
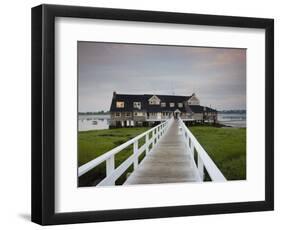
[{"x": 144, "y": 110}]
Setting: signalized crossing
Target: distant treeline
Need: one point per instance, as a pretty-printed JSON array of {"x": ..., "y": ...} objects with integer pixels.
[
  {"x": 94, "y": 113},
  {"x": 237, "y": 111}
]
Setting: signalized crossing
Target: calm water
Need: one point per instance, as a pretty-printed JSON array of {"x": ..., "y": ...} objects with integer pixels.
[
  {"x": 233, "y": 120},
  {"x": 93, "y": 122}
]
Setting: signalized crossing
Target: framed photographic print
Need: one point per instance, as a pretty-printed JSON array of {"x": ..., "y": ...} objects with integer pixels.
[{"x": 143, "y": 114}]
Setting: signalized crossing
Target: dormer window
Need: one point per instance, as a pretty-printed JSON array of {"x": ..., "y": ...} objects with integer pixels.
[
  {"x": 137, "y": 105},
  {"x": 163, "y": 104},
  {"x": 154, "y": 100},
  {"x": 180, "y": 105},
  {"x": 172, "y": 104},
  {"x": 193, "y": 100},
  {"x": 120, "y": 104}
]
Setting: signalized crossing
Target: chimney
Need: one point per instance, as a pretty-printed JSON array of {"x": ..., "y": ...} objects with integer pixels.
[{"x": 114, "y": 94}]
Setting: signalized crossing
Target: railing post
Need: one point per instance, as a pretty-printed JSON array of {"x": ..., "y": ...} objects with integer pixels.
[
  {"x": 146, "y": 144},
  {"x": 191, "y": 148},
  {"x": 136, "y": 160},
  {"x": 200, "y": 167},
  {"x": 158, "y": 133},
  {"x": 154, "y": 137},
  {"x": 110, "y": 162}
]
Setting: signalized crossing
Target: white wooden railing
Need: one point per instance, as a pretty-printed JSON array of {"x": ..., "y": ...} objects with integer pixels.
[
  {"x": 203, "y": 159},
  {"x": 112, "y": 173}
]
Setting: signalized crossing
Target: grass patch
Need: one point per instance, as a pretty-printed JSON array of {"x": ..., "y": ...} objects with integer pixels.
[
  {"x": 226, "y": 147},
  {"x": 92, "y": 144}
]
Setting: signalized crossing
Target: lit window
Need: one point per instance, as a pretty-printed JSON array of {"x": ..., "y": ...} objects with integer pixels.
[
  {"x": 120, "y": 104},
  {"x": 117, "y": 114},
  {"x": 163, "y": 104},
  {"x": 172, "y": 104},
  {"x": 180, "y": 105},
  {"x": 137, "y": 105}
]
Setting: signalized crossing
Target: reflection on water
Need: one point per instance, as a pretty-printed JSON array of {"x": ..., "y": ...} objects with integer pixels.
[
  {"x": 93, "y": 122},
  {"x": 233, "y": 120}
]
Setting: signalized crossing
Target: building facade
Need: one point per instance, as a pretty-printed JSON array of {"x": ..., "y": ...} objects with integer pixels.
[{"x": 138, "y": 110}]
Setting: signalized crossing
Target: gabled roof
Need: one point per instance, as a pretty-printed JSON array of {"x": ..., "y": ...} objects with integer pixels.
[
  {"x": 129, "y": 100},
  {"x": 200, "y": 109},
  {"x": 153, "y": 98}
]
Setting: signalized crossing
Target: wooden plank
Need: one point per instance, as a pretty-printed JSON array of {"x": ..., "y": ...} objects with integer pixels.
[{"x": 168, "y": 162}]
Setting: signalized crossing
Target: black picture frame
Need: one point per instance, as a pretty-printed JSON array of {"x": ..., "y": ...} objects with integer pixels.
[{"x": 43, "y": 113}]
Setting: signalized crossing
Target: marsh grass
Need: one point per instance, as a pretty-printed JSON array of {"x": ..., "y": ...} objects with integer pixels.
[
  {"x": 92, "y": 144},
  {"x": 226, "y": 147}
]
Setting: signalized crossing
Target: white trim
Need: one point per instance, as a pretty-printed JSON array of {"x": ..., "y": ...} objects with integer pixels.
[
  {"x": 204, "y": 160},
  {"x": 137, "y": 105},
  {"x": 154, "y": 99}
]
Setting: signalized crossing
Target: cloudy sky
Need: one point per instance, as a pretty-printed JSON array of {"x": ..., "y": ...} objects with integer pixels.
[{"x": 216, "y": 75}]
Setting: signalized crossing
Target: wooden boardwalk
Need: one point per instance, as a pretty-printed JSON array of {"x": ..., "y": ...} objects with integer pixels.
[{"x": 168, "y": 162}]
